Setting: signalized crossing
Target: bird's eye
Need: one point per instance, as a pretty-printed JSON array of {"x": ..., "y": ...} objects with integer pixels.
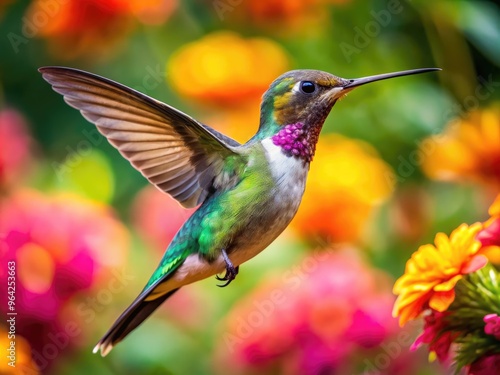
[{"x": 307, "y": 87}]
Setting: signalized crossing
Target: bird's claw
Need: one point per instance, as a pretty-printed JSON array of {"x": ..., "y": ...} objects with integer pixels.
[
  {"x": 229, "y": 276},
  {"x": 231, "y": 271}
]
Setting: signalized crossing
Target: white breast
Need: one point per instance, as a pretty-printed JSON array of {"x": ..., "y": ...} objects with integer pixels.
[{"x": 289, "y": 172}]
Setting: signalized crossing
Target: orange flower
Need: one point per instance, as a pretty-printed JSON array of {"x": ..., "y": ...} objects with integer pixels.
[
  {"x": 433, "y": 271},
  {"x": 152, "y": 12},
  {"x": 77, "y": 28},
  {"x": 351, "y": 181},
  {"x": 272, "y": 11},
  {"x": 468, "y": 150},
  {"x": 225, "y": 69},
  {"x": 280, "y": 16}
]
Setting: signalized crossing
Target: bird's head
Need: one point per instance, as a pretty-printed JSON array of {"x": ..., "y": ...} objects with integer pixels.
[{"x": 300, "y": 100}]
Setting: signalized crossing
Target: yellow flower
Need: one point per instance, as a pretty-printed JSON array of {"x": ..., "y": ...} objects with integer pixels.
[
  {"x": 351, "y": 180},
  {"x": 16, "y": 358},
  {"x": 468, "y": 150},
  {"x": 433, "y": 270},
  {"x": 239, "y": 122},
  {"x": 225, "y": 69}
]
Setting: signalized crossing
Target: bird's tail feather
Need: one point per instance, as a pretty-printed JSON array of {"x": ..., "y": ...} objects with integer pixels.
[{"x": 135, "y": 314}]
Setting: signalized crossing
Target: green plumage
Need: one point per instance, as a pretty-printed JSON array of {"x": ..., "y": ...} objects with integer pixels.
[
  {"x": 220, "y": 219},
  {"x": 248, "y": 194}
]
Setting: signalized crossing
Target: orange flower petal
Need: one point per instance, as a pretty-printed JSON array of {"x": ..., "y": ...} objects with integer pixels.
[
  {"x": 447, "y": 285},
  {"x": 492, "y": 253},
  {"x": 433, "y": 271},
  {"x": 495, "y": 207},
  {"x": 440, "y": 301},
  {"x": 406, "y": 314}
]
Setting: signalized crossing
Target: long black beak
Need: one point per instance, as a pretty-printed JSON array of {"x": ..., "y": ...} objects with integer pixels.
[{"x": 352, "y": 83}]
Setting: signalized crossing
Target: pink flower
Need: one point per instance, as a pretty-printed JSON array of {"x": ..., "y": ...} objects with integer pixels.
[
  {"x": 486, "y": 365},
  {"x": 59, "y": 246},
  {"x": 439, "y": 341},
  {"x": 492, "y": 326},
  {"x": 490, "y": 235},
  {"x": 366, "y": 331},
  {"x": 319, "y": 317}
]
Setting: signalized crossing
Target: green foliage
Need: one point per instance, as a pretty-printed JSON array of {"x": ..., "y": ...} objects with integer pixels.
[
  {"x": 477, "y": 295},
  {"x": 462, "y": 37}
]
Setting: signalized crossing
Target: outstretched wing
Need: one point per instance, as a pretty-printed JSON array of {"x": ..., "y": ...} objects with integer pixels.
[{"x": 172, "y": 150}]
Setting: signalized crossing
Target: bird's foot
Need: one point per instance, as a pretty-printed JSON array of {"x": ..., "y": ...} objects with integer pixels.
[
  {"x": 231, "y": 271},
  {"x": 229, "y": 276}
]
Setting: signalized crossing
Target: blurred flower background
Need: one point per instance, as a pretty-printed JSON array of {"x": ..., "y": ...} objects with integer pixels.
[{"x": 398, "y": 161}]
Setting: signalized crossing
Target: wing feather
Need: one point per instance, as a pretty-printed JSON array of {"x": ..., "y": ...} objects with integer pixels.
[{"x": 172, "y": 150}]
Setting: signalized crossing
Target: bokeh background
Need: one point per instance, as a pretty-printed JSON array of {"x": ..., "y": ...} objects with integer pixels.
[{"x": 397, "y": 162}]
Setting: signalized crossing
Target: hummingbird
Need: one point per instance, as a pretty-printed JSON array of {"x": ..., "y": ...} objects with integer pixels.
[{"x": 246, "y": 194}]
